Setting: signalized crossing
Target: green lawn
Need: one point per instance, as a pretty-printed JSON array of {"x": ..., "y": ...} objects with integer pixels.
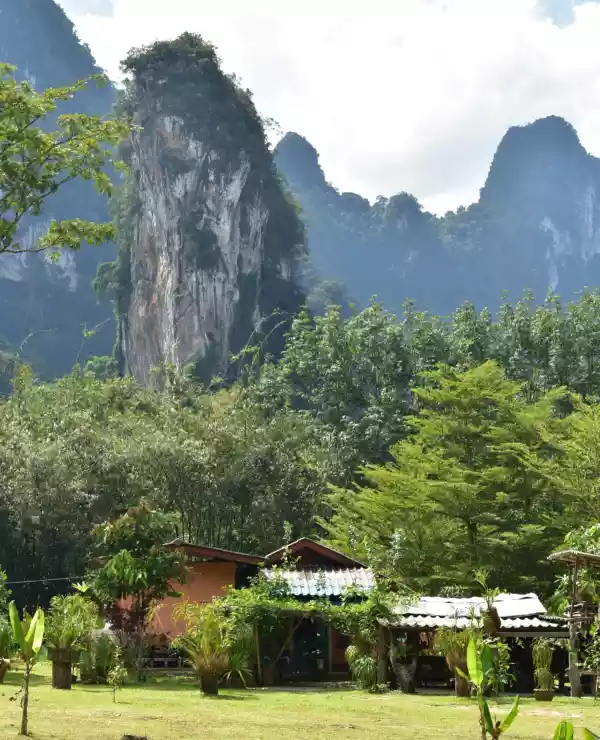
[{"x": 169, "y": 709}]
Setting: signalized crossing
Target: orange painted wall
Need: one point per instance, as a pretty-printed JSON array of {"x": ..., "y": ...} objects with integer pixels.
[{"x": 204, "y": 582}]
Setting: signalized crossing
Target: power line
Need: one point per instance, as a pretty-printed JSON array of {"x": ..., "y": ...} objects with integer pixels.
[{"x": 43, "y": 580}]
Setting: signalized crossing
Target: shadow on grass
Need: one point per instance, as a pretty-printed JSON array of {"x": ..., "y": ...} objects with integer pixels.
[
  {"x": 14, "y": 680},
  {"x": 190, "y": 687}
]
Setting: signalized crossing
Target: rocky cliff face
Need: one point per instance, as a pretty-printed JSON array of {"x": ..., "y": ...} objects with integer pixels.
[
  {"x": 46, "y": 307},
  {"x": 212, "y": 244},
  {"x": 536, "y": 226}
]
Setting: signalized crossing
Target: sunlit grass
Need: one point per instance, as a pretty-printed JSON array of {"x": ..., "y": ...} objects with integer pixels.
[{"x": 170, "y": 709}]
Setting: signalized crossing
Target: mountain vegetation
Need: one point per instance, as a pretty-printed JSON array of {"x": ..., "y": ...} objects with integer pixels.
[
  {"x": 429, "y": 445},
  {"x": 430, "y": 448},
  {"x": 535, "y": 226}
]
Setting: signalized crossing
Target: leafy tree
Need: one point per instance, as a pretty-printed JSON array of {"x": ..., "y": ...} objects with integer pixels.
[
  {"x": 35, "y": 163},
  {"x": 135, "y": 569},
  {"x": 467, "y": 489},
  {"x": 351, "y": 375},
  {"x": 326, "y": 293},
  {"x": 117, "y": 674}
]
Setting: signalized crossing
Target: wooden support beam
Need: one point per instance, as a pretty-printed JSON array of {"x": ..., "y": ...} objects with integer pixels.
[
  {"x": 258, "y": 660},
  {"x": 382, "y": 655},
  {"x": 574, "y": 677}
]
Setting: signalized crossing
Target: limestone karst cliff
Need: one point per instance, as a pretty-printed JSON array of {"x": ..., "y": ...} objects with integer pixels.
[{"x": 210, "y": 243}]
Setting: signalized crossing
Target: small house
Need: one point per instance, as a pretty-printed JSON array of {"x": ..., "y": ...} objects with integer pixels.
[{"x": 515, "y": 618}]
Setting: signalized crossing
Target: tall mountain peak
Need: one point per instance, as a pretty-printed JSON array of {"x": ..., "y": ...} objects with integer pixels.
[
  {"x": 299, "y": 159},
  {"x": 534, "y": 162},
  {"x": 210, "y": 252},
  {"x": 536, "y": 226}
]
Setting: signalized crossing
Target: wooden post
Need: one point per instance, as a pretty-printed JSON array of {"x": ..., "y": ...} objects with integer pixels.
[
  {"x": 258, "y": 661},
  {"x": 382, "y": 659},
  {"x": 574, "y": 676}
]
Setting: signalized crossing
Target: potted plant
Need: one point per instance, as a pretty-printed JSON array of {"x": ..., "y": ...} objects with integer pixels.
[
  {"x": 452, "y": 643},
  {"x": 70, "y": 620},
  {"x": 542, "y": 651},
  {"x": 214, "y": 643}
]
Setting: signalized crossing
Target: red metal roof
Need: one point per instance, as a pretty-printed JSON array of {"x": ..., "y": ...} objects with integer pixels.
[
  {"x": 214, "y": 553},
  {"x": 308, "y": 544}
]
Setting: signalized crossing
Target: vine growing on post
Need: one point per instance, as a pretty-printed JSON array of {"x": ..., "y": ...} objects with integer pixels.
[{"x": 268, "y": 605}]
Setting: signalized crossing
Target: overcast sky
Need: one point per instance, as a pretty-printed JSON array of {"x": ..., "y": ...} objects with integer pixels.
[{"x": 394, "y": 94}]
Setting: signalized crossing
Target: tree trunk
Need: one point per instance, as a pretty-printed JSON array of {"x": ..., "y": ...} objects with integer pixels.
[
  {"x": 4, "y": 666},
  {"x": 209, "y": 684},
  {"x": 25, "y": 701},
  {"x": 62, "y": 675}
]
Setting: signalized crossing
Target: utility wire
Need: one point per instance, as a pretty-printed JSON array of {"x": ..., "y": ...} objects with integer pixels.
[{"x": 43, "y": 580}]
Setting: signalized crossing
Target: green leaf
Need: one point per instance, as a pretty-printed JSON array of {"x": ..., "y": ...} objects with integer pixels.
[
  {"x": 35, "y": 636},
  {"x": 485, "y": 711},
  {"x": 461, "y": 673},
  {"x": 474, "y": 664},
  {"x": 17, "y": 627},
  {"x": 487, "y": 660},
  {"x": 564, "y": 731},
  {"x": 511, "y": 716},
  {"x": 589, "y": 735},
  {"x": 32, "y": 628}
]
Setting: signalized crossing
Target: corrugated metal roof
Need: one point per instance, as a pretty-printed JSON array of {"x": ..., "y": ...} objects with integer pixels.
[
  {"x": 507, "y": 605},
  {"x": 433, "y": 622},
  {"x": 552, "y": 623},
  {"x": 324, "y": 582}
]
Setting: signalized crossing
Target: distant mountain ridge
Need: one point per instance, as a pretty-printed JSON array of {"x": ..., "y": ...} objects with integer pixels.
[{"x": 535, "y": 226}]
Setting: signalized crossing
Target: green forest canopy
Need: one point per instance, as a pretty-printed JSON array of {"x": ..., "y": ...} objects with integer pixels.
[{"x": 429, "y": 448}]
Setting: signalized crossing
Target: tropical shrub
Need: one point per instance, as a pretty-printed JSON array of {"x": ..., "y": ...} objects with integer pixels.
[
  {"x": 117, "y": 673},
  {"x": 69, "y": 621},
  {"x": 97, "y": 659},
  {"x": 542, "y": 651},
  {"x": 452, "y": 643},
  {"x": 363, "y": 666},
  {"x": 30, "y": 643},
  {"x": 216, "y": 644},
  {"x": 480, "y": 667}
]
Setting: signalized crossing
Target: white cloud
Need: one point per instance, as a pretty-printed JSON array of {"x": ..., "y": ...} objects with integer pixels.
[{"x": 412, "y": 95}]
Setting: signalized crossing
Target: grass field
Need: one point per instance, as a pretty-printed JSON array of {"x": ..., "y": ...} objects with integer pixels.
[{"x": 169, "y": 709}]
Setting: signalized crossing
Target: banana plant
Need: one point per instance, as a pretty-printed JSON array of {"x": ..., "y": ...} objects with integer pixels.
[
  {"x": 29, "y": 646},
  {"x": 565, "y": 731},
  {"x": 480, "y": 666}
]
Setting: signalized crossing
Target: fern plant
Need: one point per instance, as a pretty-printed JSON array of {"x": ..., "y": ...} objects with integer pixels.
[{"x": 363, "y": 667}]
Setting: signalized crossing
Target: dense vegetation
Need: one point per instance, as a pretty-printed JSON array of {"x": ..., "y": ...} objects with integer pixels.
[{"x": 428, "y": 447}]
